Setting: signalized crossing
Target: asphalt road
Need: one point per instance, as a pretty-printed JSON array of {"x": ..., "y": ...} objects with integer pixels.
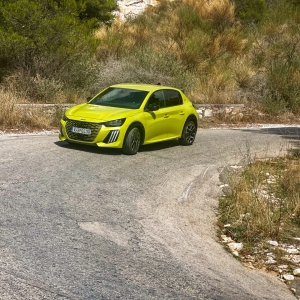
[{"x": 80, "y": 222}]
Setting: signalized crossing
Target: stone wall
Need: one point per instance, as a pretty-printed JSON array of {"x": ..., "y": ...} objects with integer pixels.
[
  {"x": 210, "y": 110},
  {"x": 204, "y": 110}
]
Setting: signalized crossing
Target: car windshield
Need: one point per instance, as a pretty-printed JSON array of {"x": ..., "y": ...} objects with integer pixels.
[{"x": 120, "y": 97}]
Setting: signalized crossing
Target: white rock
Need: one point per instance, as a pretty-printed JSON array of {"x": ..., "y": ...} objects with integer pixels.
[
  {"x": 236, "y": 167},
  {"x": 273, "y": 243},
  {"x": 294, "y": 258},
  {"x": 296, "y": 272},
  {"x": 283, "y": 267},
  {"x": 227, "y": 225},
  {"x": 235, "y": 246},
  {"x": 288, "y": 277},
  {"x": 130, "y": 8},
  {"x": 292, "y": 251},
  {"x": 208, "y": 113},
  {"x": 270, "y": 261},
  {"x": 224, "y": 185},
  {"x": 226, "y": 239}
]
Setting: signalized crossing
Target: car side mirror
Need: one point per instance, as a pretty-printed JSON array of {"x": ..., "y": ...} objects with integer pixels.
[{"x": 152, "y": 107}]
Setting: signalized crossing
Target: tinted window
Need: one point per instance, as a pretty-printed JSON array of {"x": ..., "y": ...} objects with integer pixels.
[
  {"x": 157, "y": 96},
  {"x": 172, "y": 98},
  {"x": 119, "y": 97}
]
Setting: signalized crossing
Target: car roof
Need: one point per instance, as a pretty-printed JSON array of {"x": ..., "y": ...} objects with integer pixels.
[{"x": 142, "y": 86}]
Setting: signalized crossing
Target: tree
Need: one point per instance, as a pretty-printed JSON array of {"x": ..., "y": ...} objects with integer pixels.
[
  {"x": 97, "y": 9},
  {"x": 48, "y": 30}
]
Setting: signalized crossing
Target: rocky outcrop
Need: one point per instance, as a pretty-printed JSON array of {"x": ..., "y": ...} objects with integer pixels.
[{"x": 131, "y": 8}]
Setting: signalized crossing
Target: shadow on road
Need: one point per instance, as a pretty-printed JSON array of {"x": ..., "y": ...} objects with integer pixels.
[
  {"x": 112, "y": 151},
  {"x": 289, "y": 133},
  {"x": 159, "y": 146}
]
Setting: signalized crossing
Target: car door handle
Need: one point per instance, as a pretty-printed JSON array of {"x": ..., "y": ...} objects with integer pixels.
[
  {"x": 166, "y": 116},
  {"x": 182, "y": 113}
]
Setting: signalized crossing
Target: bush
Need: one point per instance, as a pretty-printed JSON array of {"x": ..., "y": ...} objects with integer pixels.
[
  {"x": 251, "y": 10},
  {"x": 277, "y": 52},
  {"x": 51, "y": 41}
]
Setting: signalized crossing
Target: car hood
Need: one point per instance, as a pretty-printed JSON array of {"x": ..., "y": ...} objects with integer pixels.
[{"x": 97, "y": 112}]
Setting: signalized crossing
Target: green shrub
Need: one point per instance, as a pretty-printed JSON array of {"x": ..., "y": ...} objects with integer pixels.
[
  {"x": 51, "y": 41},
  {"x": 283, "y": 87},
  {"x": 250, "y": 10}
]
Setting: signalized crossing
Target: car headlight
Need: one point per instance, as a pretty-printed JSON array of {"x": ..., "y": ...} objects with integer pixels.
[{"x": 115, "y": 123}]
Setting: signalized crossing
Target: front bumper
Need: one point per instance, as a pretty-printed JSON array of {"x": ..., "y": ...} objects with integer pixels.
[{"x": 101, "y": 136}]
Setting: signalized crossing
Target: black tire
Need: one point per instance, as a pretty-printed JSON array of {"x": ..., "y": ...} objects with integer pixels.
[
  {"x": 188, "y": 133},
  {"x": 132, "y": 141}
]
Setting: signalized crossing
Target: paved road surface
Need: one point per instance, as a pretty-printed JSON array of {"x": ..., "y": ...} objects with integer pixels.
[{"x": 79, "y": 222}]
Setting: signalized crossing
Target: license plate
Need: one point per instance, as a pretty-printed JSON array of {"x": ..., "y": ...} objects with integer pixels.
[{"x": 85, "y": 131}]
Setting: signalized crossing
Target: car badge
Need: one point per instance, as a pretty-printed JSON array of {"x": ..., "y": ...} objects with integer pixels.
[{"x": 82, "y": 119}]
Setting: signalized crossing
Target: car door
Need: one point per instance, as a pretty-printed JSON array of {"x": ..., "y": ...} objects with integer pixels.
[
  {"x": 156, "y": 122},
  {"x": 175, "y": 113}
]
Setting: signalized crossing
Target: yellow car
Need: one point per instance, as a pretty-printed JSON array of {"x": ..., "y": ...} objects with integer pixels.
[{"x": 129, "y": 115}]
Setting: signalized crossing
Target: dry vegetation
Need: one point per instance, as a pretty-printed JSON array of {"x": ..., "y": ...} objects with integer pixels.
[
  {"x": 218, "y": 51},
  {"x": 265, "y": 201},
  {"x": 203, "y": 47},
  {"x": 13, "y": 117},
  {"x": 263, "y": 205}
]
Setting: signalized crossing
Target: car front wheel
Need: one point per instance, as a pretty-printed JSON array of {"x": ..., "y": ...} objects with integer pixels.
[
  {"x": 132, "y": 141},
  {"x": 188, "y": 133}
]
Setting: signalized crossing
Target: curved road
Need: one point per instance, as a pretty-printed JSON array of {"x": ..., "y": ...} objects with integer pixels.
[{"x": 80, "y": 222}]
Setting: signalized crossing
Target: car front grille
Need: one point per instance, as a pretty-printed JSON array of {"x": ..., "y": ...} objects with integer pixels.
[{"x": 94, "y": 127}]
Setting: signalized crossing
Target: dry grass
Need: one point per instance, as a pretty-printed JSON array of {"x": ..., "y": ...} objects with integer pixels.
[
  {"x": 262, "y": 211},
  {"x": 197, "y": 45},
  {"x": 220, "y": 12},
  {"x": 199, "y": 35},
  {"x": 12, "y": 117},
  {"x": 264, "y": 202},
  {"x": 228, "y": 63}
]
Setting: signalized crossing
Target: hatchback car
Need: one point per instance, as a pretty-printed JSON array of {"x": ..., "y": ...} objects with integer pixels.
[{"x": 129, "y": 115}]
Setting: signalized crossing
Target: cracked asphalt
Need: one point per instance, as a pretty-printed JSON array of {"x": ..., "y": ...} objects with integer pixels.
[{"x": 80, "y": 222}]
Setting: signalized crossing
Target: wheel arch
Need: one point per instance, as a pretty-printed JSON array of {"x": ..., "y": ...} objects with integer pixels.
[
  {"x": 191, "y": 117},
  {"x": 141, "y": 128}
]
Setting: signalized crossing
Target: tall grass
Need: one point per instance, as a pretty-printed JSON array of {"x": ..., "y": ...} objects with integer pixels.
[
  {"x": 223, "y": 54},
  {"x": 201, "y": 39},
  {"x": 12, "y": 117},
  {"x": 264, "y": 203}
]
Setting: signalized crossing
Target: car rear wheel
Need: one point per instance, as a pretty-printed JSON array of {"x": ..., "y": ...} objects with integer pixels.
[
  {"x": 188, "y": 133},
  {"x": 132, "y": 141}
]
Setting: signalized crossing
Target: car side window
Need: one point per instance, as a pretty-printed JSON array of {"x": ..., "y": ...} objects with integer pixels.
[
  {"x": 172, "y": 98},
  {"x": 157, "y": 97}
]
